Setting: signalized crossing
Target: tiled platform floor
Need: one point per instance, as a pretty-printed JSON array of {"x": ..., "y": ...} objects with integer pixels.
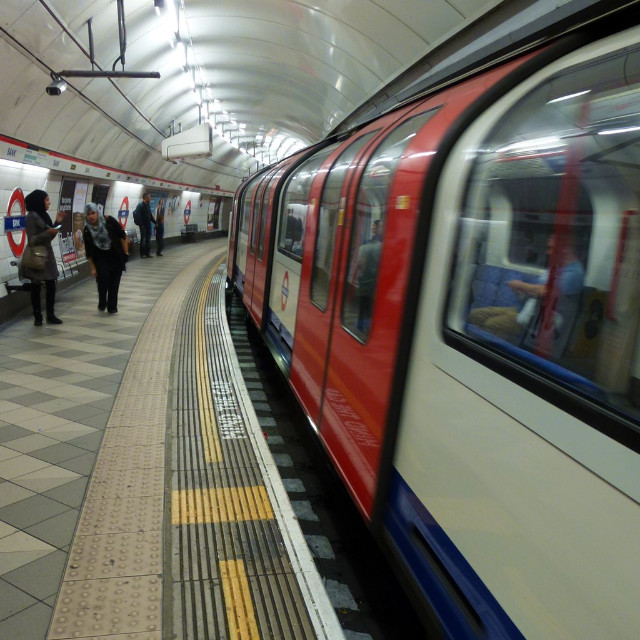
[{"x": 57, "y": 387}]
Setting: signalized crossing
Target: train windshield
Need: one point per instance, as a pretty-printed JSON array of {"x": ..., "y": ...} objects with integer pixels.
[{"x": 546, "y": 266}]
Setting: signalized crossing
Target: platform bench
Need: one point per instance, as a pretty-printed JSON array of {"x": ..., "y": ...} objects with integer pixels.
[
  {"x": 132, "y": 234},
  {"x": 189, "y": 232}
]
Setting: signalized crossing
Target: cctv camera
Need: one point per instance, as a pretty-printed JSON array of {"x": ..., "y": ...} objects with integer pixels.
[{"x": 57, "y": 86}]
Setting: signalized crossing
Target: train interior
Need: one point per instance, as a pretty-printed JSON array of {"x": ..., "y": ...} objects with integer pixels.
[{"x": 552, "y": 200}]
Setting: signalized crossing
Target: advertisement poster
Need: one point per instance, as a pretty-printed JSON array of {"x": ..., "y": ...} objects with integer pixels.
[
  {"x": 158, "y": 205},
  {"x": 73, "y": 197},
  {"x": 213, "y": 214},
  {"x": 173, "y": 204},
  {"x": 99, "y": 196}
]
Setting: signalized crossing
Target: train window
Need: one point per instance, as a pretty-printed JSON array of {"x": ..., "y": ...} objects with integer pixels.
[
  {"x": 545, "y": 269},
  {"x": 259, "y": 210},
  {"x": 247, "y": 198},
  {"x": 329, "y": 220},
  {"x": 295, "y": 202},
  {"x": 368, "y": 227},
  {"x": 263, "y": 215}
]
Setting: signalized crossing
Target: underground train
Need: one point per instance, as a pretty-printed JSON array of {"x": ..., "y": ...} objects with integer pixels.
[{"x": 453, "y": 293}]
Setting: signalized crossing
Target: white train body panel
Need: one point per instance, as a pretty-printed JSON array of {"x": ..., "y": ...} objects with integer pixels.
[
  {"x": 501, "y": 468},
  {"x": 542, "y": 506},
  {"x": 241, "y": 252},
  {"x": 283, "y": 296}
]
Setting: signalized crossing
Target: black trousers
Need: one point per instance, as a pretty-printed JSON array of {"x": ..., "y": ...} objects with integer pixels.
[
  {"x": 145, "y": 240},
  {"x": 50, "y": 297},
  {"x": 159, "y": 238},
  {"x": 108, "y": 275}
]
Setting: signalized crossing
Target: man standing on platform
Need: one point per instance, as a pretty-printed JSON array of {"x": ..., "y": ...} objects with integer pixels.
[{"x": 143, "y": 217}]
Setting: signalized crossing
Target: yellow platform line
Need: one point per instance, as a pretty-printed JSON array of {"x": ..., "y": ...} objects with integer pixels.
[
  {"x": 232, "y": 504},
  {"x": 206, "y": 413},
  {"x": 241, "y": 617}
]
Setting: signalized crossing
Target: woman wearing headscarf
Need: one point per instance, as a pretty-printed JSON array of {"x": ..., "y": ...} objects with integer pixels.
[
  {"x": 40, "y": 231},
  {"x": 107, "y": 249}
]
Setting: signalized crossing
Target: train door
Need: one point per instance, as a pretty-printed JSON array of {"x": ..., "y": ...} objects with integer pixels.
[
  {"x": 255, "y": 274},
  {"x": 234, "y": 230},
  {"x": 318, "y": 283},
  {"x": 242, "y": 244},
  {"x": 233, "y": 239},
  {"x": 379, "y": 234}
]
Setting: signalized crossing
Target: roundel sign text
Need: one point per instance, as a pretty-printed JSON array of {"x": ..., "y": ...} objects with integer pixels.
[
  {"x": 187, "y": 212},
  {"x": 14, "y": 223},
  {"x": 123, "y": 212}
]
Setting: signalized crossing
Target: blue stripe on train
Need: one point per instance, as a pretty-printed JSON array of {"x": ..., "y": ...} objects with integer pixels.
[
  {"x": 459, "y": 598},
  {"x": 238, "y": 279},
  {"x": 281, "y": 340}
]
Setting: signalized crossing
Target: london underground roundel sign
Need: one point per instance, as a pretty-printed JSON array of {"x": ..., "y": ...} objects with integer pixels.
[
  {"x": 14, "y": 222},
  {"x": 123, "y": 212},
  {"x": 187, "y": 212}
]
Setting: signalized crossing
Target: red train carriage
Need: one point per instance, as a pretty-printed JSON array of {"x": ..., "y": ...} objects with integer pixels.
[{"x": 451, "y": 292}]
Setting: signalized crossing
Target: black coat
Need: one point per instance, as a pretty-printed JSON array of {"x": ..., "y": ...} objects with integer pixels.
[
  {"x": 38, "y": 234},
  {"x": 115, "y": 257},
  {"x": 145, "y": 217}
]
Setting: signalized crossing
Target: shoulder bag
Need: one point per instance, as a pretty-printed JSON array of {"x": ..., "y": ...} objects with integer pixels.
[{"x": 34, "y": 257}]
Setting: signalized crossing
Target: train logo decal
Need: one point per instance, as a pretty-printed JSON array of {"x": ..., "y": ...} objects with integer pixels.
[
  {"x": 123, "y": 212},
  {"x": 285, "y": 290},
  {"x": 187, "y": 212},
  {"x": 15, "y": 223}
]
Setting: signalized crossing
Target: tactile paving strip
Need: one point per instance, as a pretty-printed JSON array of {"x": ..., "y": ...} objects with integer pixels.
[
  {"x": 245, "y": 576},
  {"x": 120, "y": 515},
  {"x": 113, "y": 582},
  {"x": 128, "y": 483},
  {"x": 230, "y": 553},
  {"x": 93, "y": 608},
  {"x": 106, "y": 556}
]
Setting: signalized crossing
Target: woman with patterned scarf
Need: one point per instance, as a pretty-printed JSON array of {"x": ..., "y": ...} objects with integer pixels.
[
  {"x": 107, "y": 249},
  {"x": 40, "y": 232}
]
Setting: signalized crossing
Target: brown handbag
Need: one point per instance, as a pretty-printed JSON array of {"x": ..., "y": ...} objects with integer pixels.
[{"x": 34, "y": 257}]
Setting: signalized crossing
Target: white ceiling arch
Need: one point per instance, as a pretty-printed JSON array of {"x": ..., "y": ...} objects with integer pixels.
[{"x": 273, "y": 74}]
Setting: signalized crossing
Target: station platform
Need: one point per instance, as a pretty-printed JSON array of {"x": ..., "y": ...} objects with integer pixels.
[{"x": 138, "y": 498}]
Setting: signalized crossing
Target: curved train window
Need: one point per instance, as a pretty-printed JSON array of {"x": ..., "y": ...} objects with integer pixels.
[
  {"x": 259, "y": 210},
  {"x": 368, "y": 226},
  {"x": 329, "y": 214},
  {"x": 546, "y": 264},
  {"x": 295, "y": 203},
  {"x": 264, "y": 213},
  {"x": 247, "y": 198}
]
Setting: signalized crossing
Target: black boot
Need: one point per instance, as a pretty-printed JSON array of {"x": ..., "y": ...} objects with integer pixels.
[
  {"x": 35, "y": 304},
  {"x": 51, "y": 300}
]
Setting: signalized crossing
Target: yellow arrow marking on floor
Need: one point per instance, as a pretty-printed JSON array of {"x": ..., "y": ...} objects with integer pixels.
[
  {"x": 233, "y": 504},
  {"x": 206, "y": 413},
  {"x": 241, "y": 617}
]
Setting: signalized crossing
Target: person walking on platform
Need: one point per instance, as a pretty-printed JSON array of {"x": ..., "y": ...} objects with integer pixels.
[
  {"x": 107, "y": 249},
  {"x": 160, "y": 227},
  {"x": 143, "y": 217},
  {"x": 41, "y": 231}
]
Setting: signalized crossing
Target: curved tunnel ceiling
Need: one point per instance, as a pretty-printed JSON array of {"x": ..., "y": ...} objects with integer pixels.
[{"x": 271, "y": 76}]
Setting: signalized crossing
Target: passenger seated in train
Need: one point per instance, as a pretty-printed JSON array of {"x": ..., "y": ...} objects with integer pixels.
[{"x": 522, "y": 325}]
